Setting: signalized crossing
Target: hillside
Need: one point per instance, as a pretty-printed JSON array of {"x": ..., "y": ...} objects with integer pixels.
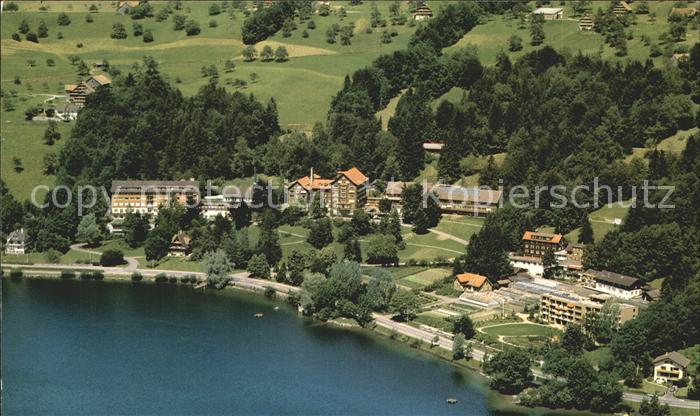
[{"x": 303, "y": 86}]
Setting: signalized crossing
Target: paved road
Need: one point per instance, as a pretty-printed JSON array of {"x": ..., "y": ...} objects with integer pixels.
[{"x": 242, "y": 279}]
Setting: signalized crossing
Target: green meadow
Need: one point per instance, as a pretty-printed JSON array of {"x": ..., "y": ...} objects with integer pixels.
[
  {"x": 492, "y": 36},
  {"x": 302, "y": 87}
]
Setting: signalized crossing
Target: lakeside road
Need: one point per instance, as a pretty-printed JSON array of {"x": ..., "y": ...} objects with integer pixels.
[{"x": 243, "y": 280}]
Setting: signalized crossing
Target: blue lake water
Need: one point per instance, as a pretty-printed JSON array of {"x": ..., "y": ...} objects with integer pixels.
[{"x": 83, "y": 347}]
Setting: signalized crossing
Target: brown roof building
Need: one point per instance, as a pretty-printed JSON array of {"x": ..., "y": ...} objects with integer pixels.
[
  {"x": 537, "y": 244},
  {"x": 622, "y": 8},
  {"x": 423, "y": 12},
  {"x": 586, "y": 23},
  {"x": 341, "y": 195},
  {"x": 180, "y": 245},
  {"x": 685, "y": 11},
  {"x": 618, "y": 285},
  {"x": 77, "y": 93},
  {"x": 670, "y": 367},
  {"x": 471, "y": 282}
]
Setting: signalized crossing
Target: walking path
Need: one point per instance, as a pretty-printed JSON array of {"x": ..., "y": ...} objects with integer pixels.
[
  {"x": 443, "y": 234},
  {"x": 242, "y": 279}
]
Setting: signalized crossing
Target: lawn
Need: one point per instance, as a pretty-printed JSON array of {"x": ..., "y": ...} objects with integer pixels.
[
  {"x": 70, "y": 257},
  {"x": 602, "y": 220},
  {"x": 521, "y": 330},
  {"x": 432, "y": 320},
  {"x": 424, "y": 278},
  {"x": 180, "y": 264},
  {"x": 492, "y": 37},
  {"x": 119, "y": 244},
  {"x": 648, "y": 387},
  {"x": 462, "y": 228},
  {"x": 598, "y": 355}
]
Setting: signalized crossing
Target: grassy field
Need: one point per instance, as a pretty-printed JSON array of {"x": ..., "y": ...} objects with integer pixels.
[
  {"x": 492, "y": 37},
  {"x": 460, "y": 226},
  {"x": 521, "y": 330},
  {"x": 424, "y": 278},
  {"x": 673, "y": 144},
  {"x": 302, "y": 87}
]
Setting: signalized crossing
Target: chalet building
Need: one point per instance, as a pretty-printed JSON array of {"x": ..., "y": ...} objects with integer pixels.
[
  {"x": 17, "y": 242},
  {"x": 67, "y": 111},
  {"x": 146, "y": 197},
  {"x": 78, "y": 92},
  {"x": 537, "y": 244},
  {"x": 423, "y": 12},
  {"x": 341, "y": 195},
  {"x": 670, "y": 367},
  {"x": 616, "y": 284},
  {"x": 563, "y": 308},
  {"x": 622, "y": 8},
  {"x": 550, "y": 13},
  {"x": 470, "y": 282},
  {"x": 349, "y": 191},
  {"x": 180, "y": 245},
  {"x": 586, "y": 23},
  {"x": 302, "y": 191},
  {"x": 124, "y": 7}
]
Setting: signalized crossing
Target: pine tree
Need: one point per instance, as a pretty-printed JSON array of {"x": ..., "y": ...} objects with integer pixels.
[
  {"x": 585, "y": 235},
  {"x": 412, "y": 124}
]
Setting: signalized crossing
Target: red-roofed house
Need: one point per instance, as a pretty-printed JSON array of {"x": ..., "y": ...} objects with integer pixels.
[
  {"x": 537, "y": 244},
  {"x": 349, "y": 191},
  {"x": 341, "y": 195},
  {"x": 470, "y": 282}
]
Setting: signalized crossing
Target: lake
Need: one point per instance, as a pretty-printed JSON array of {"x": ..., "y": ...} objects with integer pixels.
[{"x": 86, "y": 347}]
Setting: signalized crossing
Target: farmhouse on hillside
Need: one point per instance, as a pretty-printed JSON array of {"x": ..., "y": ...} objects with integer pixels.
[
  {"x": 622, "y": 8},
  {"x": 423, "y": 12},
  {"x": 550, "y": 13},
  {"x": 586, "y": 23},
  {"x": 124, "y": 7},
  {"x": 670, "y": 367},
  {"x": 78, "y": 92}
]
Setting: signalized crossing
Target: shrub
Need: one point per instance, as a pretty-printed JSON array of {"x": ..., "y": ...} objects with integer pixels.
[
  {"x": 161, "y": 278},
  {"x": 147, "y": 36},
  {"x": 63, "y": 19},
  {"x": 16, "y": 273},
  {"x": 16, "y": 37},
  {"x": 192, "y": 28},
  {"x": 32, "y": 37},
  {"x": 98, "y": 275},
  {"x": 67, "y": 274},
  {"x": 270, "y": 292},
  {"x": 172, "y": 279},
  {"x": 212, "y": 23},
  {"x": 53, "y": 256},
  {"x": 59, "y": 35},
  {"x": 85, "y": 275},
  {"x": 136, "y": 277},
  {"x": 111, "y": 258},
  {"x": 10, "y": 6}
]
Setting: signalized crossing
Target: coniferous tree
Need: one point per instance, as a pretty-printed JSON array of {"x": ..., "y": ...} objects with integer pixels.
[
  {"x": 585, "y": 234},
  {"x": 412, "y": 124}
]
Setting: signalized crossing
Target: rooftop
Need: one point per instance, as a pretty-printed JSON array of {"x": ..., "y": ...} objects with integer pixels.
[
  {"x": 546, "y": 237},
  {"x": 615, "y": 279},
  {"x": 137, "y": 184},
  {"x": 674, "y": 356},
  {"x": 471, "y": 279},
  {"x": 547, "y": 10},
  {"x": 354, "y": 175}
]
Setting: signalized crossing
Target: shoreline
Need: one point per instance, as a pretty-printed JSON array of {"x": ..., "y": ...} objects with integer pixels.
[{"x": 496, "y": 400}]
